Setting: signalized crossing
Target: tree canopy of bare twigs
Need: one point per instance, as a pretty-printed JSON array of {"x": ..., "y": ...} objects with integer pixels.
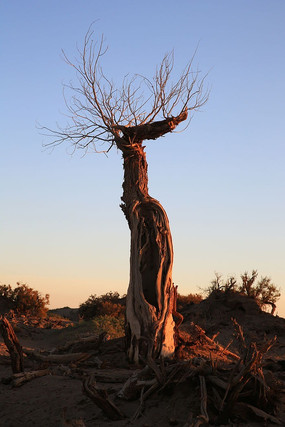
[{"x": 98, "y": 111}]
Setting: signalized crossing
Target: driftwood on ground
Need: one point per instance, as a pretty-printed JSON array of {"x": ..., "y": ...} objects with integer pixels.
[
  {"x": 225, "y": 379},
  {"x": 84, "y": 344},
  {"x": 101, "y": 399},
  {"x": 24, "y": 377},
  {"x": 203, "y": 418},
  {"x": 57, "y": 358},
  {"x": 71, "y": 423},
  {"x": 224, "y": 384},
  {"x": 16, "y": 380}
]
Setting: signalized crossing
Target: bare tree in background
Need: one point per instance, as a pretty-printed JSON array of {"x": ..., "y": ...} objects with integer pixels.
[{"x": 141, "y": 109}]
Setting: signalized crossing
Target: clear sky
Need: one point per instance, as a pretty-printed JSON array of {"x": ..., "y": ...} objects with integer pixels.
[{"x": 221, "y": 181}]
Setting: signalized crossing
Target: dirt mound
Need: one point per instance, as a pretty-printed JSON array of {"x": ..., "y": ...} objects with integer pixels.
[
  {"x": 222, "y": 306},
  {"x": 215, "y": 315}
]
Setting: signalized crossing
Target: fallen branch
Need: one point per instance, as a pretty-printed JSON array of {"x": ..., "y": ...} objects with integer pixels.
[
  {"x": 203, "y": 418},
  {"x": 71, "y": 423},
  {"x": 100, "y": 398},
  {"x": 112, "y": 375},
  {"x": 261, "y": 414},
  {"x": 144, "y": 396},
  {"x": 57, "y": 358},
  {"x": 84, "y": 344},
  {"x": 224, "y": 350},
  {"x": 133, "y": 387},
  {"x": 23, "y": 377}
]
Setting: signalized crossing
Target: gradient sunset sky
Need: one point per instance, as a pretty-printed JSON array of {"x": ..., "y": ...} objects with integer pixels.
[{"x": 222, "y": 181}]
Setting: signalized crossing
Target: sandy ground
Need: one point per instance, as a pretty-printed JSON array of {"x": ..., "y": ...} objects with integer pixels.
[{"x": 57, "y": 399}]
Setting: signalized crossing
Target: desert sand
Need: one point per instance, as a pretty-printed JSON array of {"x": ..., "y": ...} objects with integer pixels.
[{"x": 182, "y": 392}]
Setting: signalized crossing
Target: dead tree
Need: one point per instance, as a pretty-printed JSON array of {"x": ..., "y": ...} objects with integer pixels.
[
  {"x": 141, "y": 109},
  {"x": 13, "y": 345}
]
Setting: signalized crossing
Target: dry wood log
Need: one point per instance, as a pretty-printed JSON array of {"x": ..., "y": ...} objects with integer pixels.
[
  {"x": 194, "y": 333},
  {"x": 159, "y": 373},
  {"x": 71, "y": 423},
  {"x": 217, "y": 382},
  {"x": 112, "y": 375},
  {"x": 261, "y": 414},
  {"x": 221, "y": 348},
  {"x": 135, "y": 383},
  {"x": 58, "y": 358},
  {"x": 248, "y": 368},
  {"x": 144, "y": 396},
  {"x": 84, "y": 344},
  {"x": 126, "y": 391},
  {"x": 23, "y": 377},
  {"x": 13, "y": 345},
  {"x": 203, "y": 418},
  {"x": 101, "y": 399}
]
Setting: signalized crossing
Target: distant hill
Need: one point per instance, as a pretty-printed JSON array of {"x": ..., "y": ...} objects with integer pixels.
[{"x": 66, "y": 312}]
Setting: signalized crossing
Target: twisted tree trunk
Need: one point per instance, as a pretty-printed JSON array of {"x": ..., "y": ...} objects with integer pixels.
[
  {"x": 150, "y": 303},
  {"x": 13, "y": 345}
]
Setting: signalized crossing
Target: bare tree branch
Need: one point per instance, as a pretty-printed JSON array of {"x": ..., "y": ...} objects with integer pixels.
[{"x": 97, "y": 111}]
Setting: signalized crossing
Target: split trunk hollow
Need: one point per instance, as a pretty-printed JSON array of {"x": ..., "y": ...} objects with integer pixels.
[{"x": 150, "y": 328}]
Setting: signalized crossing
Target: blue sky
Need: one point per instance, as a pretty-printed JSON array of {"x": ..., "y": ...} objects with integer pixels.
[{"x": 221, "y": 181}]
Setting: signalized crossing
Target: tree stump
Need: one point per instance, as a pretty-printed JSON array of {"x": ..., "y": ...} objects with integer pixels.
[{"x": 13, "y": 345}]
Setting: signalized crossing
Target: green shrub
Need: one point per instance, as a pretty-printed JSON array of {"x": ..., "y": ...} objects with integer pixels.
[
  {"x": 25, "y": 300},
  {"x": 110, "y": 304}
]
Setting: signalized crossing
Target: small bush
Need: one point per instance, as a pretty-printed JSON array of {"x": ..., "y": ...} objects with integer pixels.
[
  {"x": 218, "y": 284},
  {"x": 110, "y": 304},
  {"x": 25, "y": 300},
  {"x": 264, "y": 292},
  {"x": 184, "y": 300},
  {"x": 114, "y": 326}
]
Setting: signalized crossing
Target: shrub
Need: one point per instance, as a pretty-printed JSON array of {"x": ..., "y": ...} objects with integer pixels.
[
  {"x": 218, "y": 284},
  {"x": 264, "y": 292},
  {"x": 25, "y": 300},
  {"x": 184, "y": 300},
  {"x": 110, "y": 304},
  {"x": 114, "y": 326}
]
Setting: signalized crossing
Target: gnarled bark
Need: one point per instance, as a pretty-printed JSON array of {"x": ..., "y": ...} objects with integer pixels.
[
  {"x": 151, "y": 294},
  {"x": 13, "y": 345}
]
